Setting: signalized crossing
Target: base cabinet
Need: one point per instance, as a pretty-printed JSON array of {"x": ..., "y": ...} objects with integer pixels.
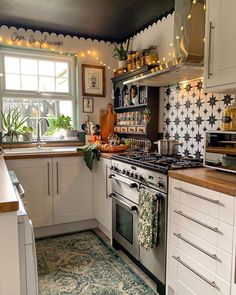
[
  {"x": 58, "y": 190},
  {"x": 201, "y": 241},
  {"x": 101, "y": 191},
  {"x": 72, "y": 190},
  {"x": 36, "y": 177}
]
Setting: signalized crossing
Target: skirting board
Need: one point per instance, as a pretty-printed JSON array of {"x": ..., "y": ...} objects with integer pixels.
[{"x": 64, "y": 228}]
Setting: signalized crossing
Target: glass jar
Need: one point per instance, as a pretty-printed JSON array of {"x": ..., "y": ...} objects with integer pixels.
[{"x": 233, "y": 118}]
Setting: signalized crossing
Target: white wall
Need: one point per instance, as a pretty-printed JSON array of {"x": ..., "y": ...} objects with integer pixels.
[
  {"x": 103, "y": 50},
  {"x": 160, "y": 34}
]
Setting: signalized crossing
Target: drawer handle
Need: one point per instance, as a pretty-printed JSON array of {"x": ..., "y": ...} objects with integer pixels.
[
  {"x": 198, "y": 196},
  {"x": 215, "y": 229},
  {"x": 197, "y": 247},
  {"x": 211, "y": 283}
]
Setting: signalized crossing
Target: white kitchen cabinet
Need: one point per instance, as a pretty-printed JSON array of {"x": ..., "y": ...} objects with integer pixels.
[
  {"x": 101, "y": 191},
  {"x": 201, "y": 240},
  {"x": 220, "y": 47},
  {"x": 36, "y": 177},
  {"x": 72, "y": 190},
  {"x": 58, "y": 190}
]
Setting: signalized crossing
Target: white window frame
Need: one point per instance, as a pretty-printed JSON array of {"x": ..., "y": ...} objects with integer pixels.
[{"x": 71, "y": 95}]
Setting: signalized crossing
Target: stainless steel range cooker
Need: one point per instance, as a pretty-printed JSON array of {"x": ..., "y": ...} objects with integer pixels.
[{"x": 129, "y": 173}]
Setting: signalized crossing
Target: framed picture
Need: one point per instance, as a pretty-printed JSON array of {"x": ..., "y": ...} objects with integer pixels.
[
  {"x": 93, "y": 80},
  {"x": 87, "y": 105}
]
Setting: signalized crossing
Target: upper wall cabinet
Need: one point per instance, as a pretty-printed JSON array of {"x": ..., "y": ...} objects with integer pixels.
[{"x": 220, "y": 47}]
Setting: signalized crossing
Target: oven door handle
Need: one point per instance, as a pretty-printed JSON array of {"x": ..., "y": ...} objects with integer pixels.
[
  {"x": 130, "y": 207},
  {"x": 131, "y": 185}
]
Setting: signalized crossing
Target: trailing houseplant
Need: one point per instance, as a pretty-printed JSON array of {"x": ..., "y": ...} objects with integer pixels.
[{"x": 13, "y": 120}]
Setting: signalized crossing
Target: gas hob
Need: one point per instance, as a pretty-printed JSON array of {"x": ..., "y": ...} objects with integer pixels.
[{"x": 156, "y": 162}]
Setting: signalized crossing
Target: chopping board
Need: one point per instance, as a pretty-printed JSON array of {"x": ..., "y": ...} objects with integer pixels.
[{"x": 107, "y": 122}]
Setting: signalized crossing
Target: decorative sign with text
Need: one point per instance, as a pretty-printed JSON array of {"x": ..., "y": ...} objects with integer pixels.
[{"x": 33, "y": 40}]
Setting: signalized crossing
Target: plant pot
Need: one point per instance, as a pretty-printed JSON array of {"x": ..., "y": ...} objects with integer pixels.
[
  {"x": 147, "y": 118},
  {"x": 122, "y": 64},
  {"x": 10, "y": 138},
  {"x": 27, "y": 136},
  {"x": 72, "y": 134}
]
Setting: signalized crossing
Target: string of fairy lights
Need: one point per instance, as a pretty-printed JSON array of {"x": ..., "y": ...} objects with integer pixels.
[
  {"x": 92, "y": 53},
  {"x": 37, "y": 45}
]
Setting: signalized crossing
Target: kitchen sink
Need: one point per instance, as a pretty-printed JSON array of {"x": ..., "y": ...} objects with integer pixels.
[{"x": 42, "y": 149}]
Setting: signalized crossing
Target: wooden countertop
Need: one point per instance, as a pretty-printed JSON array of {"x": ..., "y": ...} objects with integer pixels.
[
  {"x": 219, "y": 181},
  {"x": 8, "y": 199}
]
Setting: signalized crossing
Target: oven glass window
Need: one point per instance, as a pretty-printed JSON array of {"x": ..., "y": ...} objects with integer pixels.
[{"x": 124, "y": 223}]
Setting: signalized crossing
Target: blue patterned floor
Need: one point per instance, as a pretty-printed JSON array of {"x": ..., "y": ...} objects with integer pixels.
[{"x": 82, "y": 264}]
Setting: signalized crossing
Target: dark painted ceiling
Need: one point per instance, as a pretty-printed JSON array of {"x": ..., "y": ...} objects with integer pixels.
[{"x": 109, "y": 20}]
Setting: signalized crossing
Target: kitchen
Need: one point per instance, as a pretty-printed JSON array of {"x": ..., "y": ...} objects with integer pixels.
[{"x": 117, "y": 148}]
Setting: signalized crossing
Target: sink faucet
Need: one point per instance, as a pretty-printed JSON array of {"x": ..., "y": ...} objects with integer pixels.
[{"x": 38, "y": 130}]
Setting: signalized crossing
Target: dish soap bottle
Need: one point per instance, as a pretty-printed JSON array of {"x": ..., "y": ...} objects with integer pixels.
[
  {"x": 233, "y": 117},
  {"x": 226, "y": 119}
]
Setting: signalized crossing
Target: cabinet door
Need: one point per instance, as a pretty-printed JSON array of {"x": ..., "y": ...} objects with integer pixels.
[
  {"x": 72, "y": 190},
  {"x": 35, "y": 176},
  {"x": 101, "y": 191},
  {"x": 220, "y": 46}
]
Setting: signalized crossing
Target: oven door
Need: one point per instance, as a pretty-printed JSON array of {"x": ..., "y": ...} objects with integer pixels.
[{"x": 125, "y": 223}]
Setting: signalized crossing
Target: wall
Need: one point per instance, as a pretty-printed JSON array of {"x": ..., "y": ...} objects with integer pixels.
[
  {"x": 189, "y": 112},
  {"x": 160, "y": 34},
  {"x": 87, "y": 50}
]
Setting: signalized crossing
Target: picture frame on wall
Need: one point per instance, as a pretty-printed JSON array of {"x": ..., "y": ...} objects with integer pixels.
[
  {"x": 93, "y": 80},
  {"x": 87, "y": 105}
]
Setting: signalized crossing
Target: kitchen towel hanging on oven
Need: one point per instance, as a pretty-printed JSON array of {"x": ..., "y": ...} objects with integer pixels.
[{"x": 148, "y": 221}]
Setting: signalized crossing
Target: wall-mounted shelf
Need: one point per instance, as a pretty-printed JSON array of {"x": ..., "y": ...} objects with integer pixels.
[
  {"x": 130, "y": 107},
  {"x": 132, "y": 133}
]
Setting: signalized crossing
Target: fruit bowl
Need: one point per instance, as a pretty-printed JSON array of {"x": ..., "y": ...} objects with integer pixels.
[{"x": 108, "y": 148}]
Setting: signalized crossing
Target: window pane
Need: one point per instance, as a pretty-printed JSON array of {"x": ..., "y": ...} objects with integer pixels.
[
  {"x": 46, "y": 84},
  {"x": 29, "y": 82},
  {"x": 62, "y": 85},
  {"x": 12, "y": 81},
  {"x": 12, "y": 65},
  {"x": 29, "y": 66},
  {"x": 62, "y": 69},
  {"x": 46, "y": 68},
  {"x": 36, "y": 108}
]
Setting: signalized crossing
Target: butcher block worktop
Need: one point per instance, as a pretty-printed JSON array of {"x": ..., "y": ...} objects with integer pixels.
[
  {"x": 222, "y": 182},
  {"x": 8, "y": 199}
]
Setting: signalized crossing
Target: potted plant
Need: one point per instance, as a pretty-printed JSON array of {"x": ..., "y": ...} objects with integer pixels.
[
  {"x": 147, "y": 115},
  {"x": 64, "y": 123},
  {"x": 12, "y": 123},
  {"x": 121, "y": 54},
  {"x": 27, "y": 133}
]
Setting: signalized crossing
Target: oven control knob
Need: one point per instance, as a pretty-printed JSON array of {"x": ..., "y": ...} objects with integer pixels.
[
  {"x": 136, "y": 175},
  {"x": 161, "y": 184},
  {"x": 131, "y": 174},
  {"x": 127, "y": 173},
  {"x": 116, "y": 169},
  {"x": 123, "y": 171},
  {"x": 112, "y": 167},
  {"x": 141, "y": 178}
]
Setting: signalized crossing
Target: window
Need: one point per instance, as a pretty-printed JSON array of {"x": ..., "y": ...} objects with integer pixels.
[{"x": 40, "y": 84}]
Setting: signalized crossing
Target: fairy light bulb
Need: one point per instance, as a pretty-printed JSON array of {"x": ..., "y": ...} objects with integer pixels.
[{"x": 189, "y": 16}]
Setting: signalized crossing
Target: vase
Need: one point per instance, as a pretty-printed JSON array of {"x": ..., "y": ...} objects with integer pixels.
[
  {"x": 147, "y": 118},
  {"x": 72, "y": 134},
  {"x": 122, "y": 64}
]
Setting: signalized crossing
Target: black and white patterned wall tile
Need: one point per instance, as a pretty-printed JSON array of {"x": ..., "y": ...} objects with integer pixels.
[{"x": 189, "y": 112}]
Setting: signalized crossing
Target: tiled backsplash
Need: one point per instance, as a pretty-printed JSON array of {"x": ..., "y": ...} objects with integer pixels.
[{"x": 188, "y": 112}]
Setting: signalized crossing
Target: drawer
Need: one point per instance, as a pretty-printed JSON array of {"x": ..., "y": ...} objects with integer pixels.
[
  {"x": 214, "y": 204},
  {"x": 203, "y": 226},
  {"x": 190, "y": 277},
  {"x": 205, "y": 253}
]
